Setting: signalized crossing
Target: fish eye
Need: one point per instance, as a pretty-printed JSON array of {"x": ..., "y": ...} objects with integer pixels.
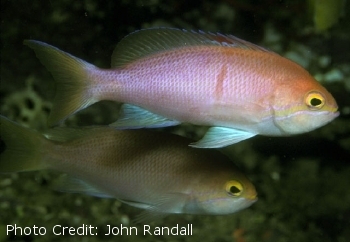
[
  {"x": 314, "y": 100},
  {"x": 233, "y": 188}
]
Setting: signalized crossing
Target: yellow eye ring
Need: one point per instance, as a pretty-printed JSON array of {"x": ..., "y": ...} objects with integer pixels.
[
  {"x": 234, "y": 188},
  {"x": 314, "y": 100}
]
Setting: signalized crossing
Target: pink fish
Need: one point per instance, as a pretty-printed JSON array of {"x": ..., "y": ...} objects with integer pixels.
[{"x": 169, "y": 76}]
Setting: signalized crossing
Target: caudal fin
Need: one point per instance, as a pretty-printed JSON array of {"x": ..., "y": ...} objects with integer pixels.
[
  {"x": 72, "y": 80},
  {"x": 22, "y": 148}
]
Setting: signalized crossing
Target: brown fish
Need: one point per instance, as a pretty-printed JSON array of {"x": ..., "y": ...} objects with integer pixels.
[{"x": 155, "y": 171}]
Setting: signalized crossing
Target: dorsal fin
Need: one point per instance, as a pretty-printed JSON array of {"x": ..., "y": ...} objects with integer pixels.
[{"x": 146, "y": 42}]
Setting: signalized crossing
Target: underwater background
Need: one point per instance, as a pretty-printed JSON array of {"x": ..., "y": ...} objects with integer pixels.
[{"x": 302, "y": 181}]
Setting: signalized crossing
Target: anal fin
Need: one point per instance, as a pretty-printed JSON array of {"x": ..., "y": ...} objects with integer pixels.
[{"x": 70, "y": 184}]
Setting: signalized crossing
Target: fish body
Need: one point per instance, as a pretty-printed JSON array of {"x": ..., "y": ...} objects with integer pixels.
[
  {"x": 169, "y": 76},
  {"x": 155, "y": 171}
]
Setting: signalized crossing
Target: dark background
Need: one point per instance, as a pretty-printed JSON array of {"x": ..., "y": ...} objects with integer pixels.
[{"x": 303, "y": 181}]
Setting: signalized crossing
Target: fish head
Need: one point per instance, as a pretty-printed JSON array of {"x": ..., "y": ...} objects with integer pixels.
[
  {"x": 303, "y": 106},
  {"x": 227, "y": 197}
]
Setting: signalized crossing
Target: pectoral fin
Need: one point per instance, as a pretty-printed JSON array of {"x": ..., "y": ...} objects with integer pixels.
[
  {"x": 166, "y": 204},
  {"x": 136, "y": 204},
  {"x": 217, "y": 137},
  {"x": 133, "y": 117}
]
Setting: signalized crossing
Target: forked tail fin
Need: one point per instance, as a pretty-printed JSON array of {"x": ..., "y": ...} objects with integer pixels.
[
  {"x": 73, "y": 85},
  {"x": 23, "y": 149}
]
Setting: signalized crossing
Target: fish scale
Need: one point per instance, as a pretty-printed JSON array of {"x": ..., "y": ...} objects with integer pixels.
[
  {"x": 155, "y": 171},
  {"x": 166, "y": 77}
]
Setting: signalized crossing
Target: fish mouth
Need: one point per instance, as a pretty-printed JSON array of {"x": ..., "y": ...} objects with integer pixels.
[
  {"x": 336, "y": 114},
  {"x": 251, "y": 200},
  {"x": 253, "y": 197}
]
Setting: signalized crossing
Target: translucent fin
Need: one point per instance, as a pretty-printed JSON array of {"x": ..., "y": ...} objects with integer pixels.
[
  {"x": 151, "y": 41},
  {"x": 133, "y": 117},
  {"x": 217, "y": 137},
  {"x": 67, "y": 183},
  {"x": 23, "y": 148},
  {"x": 136, "y": 204},
  {"x": 63, "y": 134},
  {"x": 167, "y": 204},
  {"x": 149, "y": 216},
  {"x": 72, "y": 80}
]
